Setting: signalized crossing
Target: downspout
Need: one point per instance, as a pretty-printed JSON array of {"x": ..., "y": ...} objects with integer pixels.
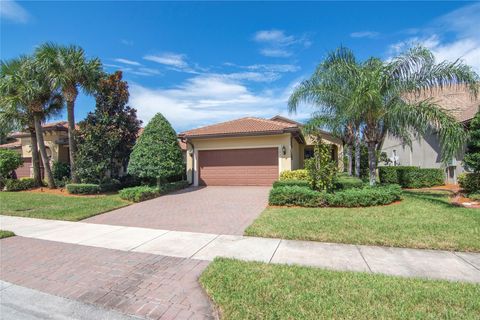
[{"x": 193, "y": 160}]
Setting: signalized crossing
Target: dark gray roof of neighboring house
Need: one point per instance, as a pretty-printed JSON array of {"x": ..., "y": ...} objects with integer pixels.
[{"x": 457, "y": 100}]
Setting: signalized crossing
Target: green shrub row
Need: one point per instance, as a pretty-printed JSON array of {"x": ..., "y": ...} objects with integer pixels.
[
  {"x": 364, "y": 197},
  {"x": 83, "y": 188},
  {"x": 110, "y": 185},
  {"x": 355, "y": 197},
  {"x": 344, "y": 182},
  {"x": 142, "y": 193},
  {"x": 19, "y": 184},
  {"x": 300, "y": 183},
  {"x": 470, "y": 182},
  {"x": 295, "y": 196},
  {"x": 300, "y": 174},
  {"x": 411, "y": 177}
]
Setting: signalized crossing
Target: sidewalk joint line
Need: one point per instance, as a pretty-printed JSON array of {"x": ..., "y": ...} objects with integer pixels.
[
  {"x": 273, "y": 255},
  {"x": 365, "y": 260},
  {"x": 154, "y": 238},
  {"x": 463, "y": 259},
  {"x": 191, "y": 257}
]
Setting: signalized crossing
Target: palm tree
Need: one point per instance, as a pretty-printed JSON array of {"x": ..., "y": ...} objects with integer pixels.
[
  {"x": 71, "y": 71},
  {"x": 334, "y": 94},
  {"x": 28, "y": 97},
  {"x": 380, "y": 90}
]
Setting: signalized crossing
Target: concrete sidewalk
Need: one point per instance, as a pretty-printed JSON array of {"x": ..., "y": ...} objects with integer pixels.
[
  {"x": 20, "y": 303},
  {"x": 433, "y": 264}
]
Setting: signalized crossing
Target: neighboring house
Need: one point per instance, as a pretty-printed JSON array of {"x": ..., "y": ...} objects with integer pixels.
[
  {"x": 56, "y": 143},
  {"x": 425, "y": 151},
  {"x": 249, "y": 151}
]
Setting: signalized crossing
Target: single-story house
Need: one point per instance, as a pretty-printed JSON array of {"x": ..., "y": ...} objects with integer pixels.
[
  {"x": 249, "y": 151},
  {"x": 56, "y": 143},
  {"x": 425, "y": 151}
]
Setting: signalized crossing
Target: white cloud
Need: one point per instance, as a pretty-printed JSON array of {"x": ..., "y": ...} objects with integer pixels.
[
  {"x": 276, "y": 43},
  {"x": 203, "y": 100},
  {"x": 364, "y": 34},
  {"x": 12, "y": 11},
  {"x": 129, "y": 62},
  {"x": 169, "y": 59},
  {"x": 450, "y": 37},
  {"x": 276, "y": 52},
  {"x": 126, "y": 42}
]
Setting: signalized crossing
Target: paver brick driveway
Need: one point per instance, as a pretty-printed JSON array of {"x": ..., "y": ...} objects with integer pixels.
[
  {"x": 220, "y": 210},
  {"x": 141, "y": 284}
]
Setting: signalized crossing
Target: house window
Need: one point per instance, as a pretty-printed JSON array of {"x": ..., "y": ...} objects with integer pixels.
[{"x": 308, "y": 153}]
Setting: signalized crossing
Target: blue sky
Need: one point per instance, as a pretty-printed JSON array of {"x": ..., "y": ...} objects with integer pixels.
[{"x": 199, "y": 63}]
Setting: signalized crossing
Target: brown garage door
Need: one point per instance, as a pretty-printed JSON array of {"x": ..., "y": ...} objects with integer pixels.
[{"x": 239, "y": 167}]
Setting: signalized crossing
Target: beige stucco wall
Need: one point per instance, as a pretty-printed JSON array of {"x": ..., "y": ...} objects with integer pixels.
[
  {"x": 268, "y": 141},
  {"x": 329, "y": 139}
]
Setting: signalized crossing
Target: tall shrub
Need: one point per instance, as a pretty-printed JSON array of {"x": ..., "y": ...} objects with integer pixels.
[
  {"x": 106, "y": 137},
  {"x": 472, "y": 154},
  {"x": 321, "y": 168},
  {"x": 9, "y": 161},
  {"x": 157, "y": 155}
]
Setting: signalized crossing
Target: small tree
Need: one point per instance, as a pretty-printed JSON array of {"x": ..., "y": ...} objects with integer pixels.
[
  {"x": 321, "y": 168},
  {"x": 472, "y": 155},
  {"x": 157, "y": 155},
  {"x": 106, "y": 137},
  {"x": 9, "y": 161}
]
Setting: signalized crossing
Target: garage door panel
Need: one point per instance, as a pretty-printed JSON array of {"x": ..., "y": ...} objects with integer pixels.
[{"x": 238, "y": 167}]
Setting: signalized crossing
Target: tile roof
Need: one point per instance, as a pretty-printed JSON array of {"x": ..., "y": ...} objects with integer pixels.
[
  {"x": 57, "y": 126},
  {"x": 11, "y": 145},
  {"x": 457, "y": 100},
  {"x": 242, "y": 126}
]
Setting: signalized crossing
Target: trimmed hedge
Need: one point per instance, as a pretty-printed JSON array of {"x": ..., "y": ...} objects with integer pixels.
[
  {"x": 300, "y": 174},
  {"x": 110, "y": 185},
  {"x": 355, "y": 197},
  {"x": 364, "y": 197},
  {"x": 295, "y": 196},
  {"x": 411, "y": 177},
  {"x": 142, "y": 193},
  {"x": 19, "y": 184},
  {"x": 83, "y": 188},
  {"x": 470, "y": 182},
  {"x": 344, "y": 182},
  {"x": 300, "y": 183}
]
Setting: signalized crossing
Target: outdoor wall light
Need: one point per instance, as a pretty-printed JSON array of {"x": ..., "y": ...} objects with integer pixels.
[{"x": 284, "y": 150}]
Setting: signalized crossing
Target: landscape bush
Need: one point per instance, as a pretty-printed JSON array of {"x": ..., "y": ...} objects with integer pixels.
[
  {"x": 354, "y": 197},
  {"x": 83, "y": 188},
  {"x": 470, "y": 182},
  {"x": 60, "y": 171},
  {"x": 295, "y": 196},
  {"x": 474, "y": 196},
  {"x": 300, "y": 174},
  {"x": 19, "y": 184},
  {"x": 142, "y": 193},
  {"x": 9, "y": 161},
  {"x": 364, "y": 197},
  {"x": 411, "y": 177},
  {"x": 109, "y": 185},
  {"x": 300, "y": 183},
  {"x": 343, "y": 182}
]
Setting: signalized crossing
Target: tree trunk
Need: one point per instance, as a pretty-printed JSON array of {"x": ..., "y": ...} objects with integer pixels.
[
  {"x": 350, "y": 159},
  {"x": 37, "y": 176},
  {"x": 72, "y": 145},
  {"x": 358, "y": 151},
  {"x": 372, "y": 162},
  {"x": 43, "y": 151}
]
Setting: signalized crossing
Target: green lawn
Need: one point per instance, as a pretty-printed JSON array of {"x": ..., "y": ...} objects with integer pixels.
[
  {"x": 6, "y": 234},
  {"x": 48, "y": 206},
  {"x": 422, "y": 220},
  {"x": 251, "y": 290}
]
